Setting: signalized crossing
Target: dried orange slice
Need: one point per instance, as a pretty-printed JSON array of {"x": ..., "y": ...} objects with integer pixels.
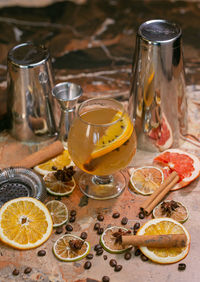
[
  {"x": 162, "y": 226},
  {"x": 145, "y": 180},
  {"x": 58, "y": 211},
  {"x": 62, "y": 160},
  {"x": 171, "y": 209},
  {"x": 58, "y": 187},
  {"x": 186, "y": 165},
  {"x": 116, "y": 134},
  {"x": 64, "y": 252},
  {"x": 108, "y": 241},
  {"x": 25, "y": 223}
]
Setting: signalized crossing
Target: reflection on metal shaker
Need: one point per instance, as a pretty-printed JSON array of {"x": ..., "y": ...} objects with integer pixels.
[
  {"x": 157, "y": 101},
  {"x": 31, "y": 107}
]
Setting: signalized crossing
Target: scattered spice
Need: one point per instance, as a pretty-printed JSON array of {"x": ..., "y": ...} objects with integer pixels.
[
  {"x": 76, "y": 244},
  {"x": 167, "y": 208},
  {"x": 181, "y": 266},
  {"x": 27, "y": 270},
  {"x": 41, "y": 253},
  {"x": 64, "y": 174},
  {"x": 15, "y": 272}
]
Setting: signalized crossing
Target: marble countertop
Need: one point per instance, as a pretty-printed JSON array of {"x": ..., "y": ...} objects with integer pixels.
[{"x": 92, "y": 44}]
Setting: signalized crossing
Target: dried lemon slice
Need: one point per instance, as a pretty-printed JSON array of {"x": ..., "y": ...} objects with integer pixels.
[
  {"x": 25, "y": 223},
  {"x": 145, "y": 180},
  {"x": 59, "y": 162},
  {"x": 162, "y": 226},
  {"x": 58, "y": 211}
]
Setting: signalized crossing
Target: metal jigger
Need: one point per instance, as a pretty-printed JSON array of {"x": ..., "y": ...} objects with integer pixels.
[{"x": 67, "y": 95}]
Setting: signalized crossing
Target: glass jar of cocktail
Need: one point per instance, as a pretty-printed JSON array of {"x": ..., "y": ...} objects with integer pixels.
[{"x": 101, "y": 142}]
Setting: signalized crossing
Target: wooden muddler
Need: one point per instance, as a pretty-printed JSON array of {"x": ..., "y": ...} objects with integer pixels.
[
  {"x": 151, "y": 198},
  {"x": 157, "y": 241},
  {"x": 162, "y": 194},
  {"x": 41, "y": 156}
]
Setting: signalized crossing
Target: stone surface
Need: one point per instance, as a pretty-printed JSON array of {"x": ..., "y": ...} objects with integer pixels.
[{"x": 92, "y": 44}]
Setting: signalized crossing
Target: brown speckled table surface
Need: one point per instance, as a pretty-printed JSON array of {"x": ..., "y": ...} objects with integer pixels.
[{"x": 92, "y": 43}]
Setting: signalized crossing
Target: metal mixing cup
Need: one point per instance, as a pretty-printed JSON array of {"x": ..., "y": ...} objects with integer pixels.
[
  {"x": 157, "y": 100},
  {"x": 31, "y": 107}
]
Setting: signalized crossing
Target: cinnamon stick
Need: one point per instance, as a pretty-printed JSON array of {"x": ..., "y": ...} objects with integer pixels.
[
  {"x": 159, "y": 190},
  {"x": 42, "y": 155},
  {"x": 157, "y": 241},
  {"x": 164, "y": 192}
]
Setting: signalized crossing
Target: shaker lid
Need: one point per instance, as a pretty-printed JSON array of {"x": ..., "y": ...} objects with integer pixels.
[
  {"x": 159, "y": 31},
  {"x": 28, "y": 55}
]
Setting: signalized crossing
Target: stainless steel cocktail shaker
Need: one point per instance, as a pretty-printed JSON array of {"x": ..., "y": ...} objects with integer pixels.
[{"x": 157, "y": 100}]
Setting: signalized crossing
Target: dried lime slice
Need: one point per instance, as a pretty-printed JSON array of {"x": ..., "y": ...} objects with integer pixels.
[
  {"x": 108, "y": 241},
  {"x": 58, "y": 211},
  {"x": 63, "y": 250},
  {"x": 172, "y": 209}
]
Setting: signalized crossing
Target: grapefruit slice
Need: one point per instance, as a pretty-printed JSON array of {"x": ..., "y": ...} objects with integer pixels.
[
  {"x": 171, "y": 209},
  {"x": 162, "y": 134},
  {"x": 185, "y": 164},
  {"x": 162, "y": 226}
]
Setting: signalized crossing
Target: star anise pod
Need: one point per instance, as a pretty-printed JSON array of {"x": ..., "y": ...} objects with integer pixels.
[
  {"x": 76, "y": 244},
  {"x": 118, "y": 235},
  {"x": 64, "y": 174},
  {"x": 168, "y": 207}
]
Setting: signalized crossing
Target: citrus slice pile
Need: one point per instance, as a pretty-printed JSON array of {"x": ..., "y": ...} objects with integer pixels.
[
  {"x": 63, "y": 251},
  {"x": 186, "y": 165},
  {"x": 171, "y": 209},
  {"x": 162, "y": 226},
  {"x": 145, "y": 180},
  {"x": 115, "y": 135},
  {"x": 57, "y": 187},
  {"x": 62, "y": 160},
  {"x": 25, "y": 223},
  {"x": 58, "y": 211},
  {"x": 108, "y": 241}
]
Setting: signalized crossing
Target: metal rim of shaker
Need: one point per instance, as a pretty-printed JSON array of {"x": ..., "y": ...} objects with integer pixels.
[
  {"x": 43, "y": 61},
  {"x": 155, "y": 42}
]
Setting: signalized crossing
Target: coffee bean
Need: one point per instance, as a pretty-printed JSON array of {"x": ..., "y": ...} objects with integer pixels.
[
  {"x": 15, "y": 272},
  {"x": 118, "y": 267},
  {"x": 144, "y": 258},
  {"x": 105, "y": 279},
  {"x": 136, "y": 226},
  {"x": 83, "y": 235},
  {"x": 100, "y": 231},
  {"x": 97, "y": 247},
  {"x": 100, "y": 217},
  {"x": 135, "y": 232},
  {"x": 41, "y": 253},
  {"x": 72, "y": 219},
  {"x": 124, "y": 221},
  {"x": 54, "y": 167},
  {"x": 69, "y": 228},
  {"x": 73, "y": 213},
  {"x": 99, "y": 252},
  {"x": 113, "y": 262},
  {"x": 59, "y": 230},
  {"x": 137, "y": 252},
  {"x": 27, "y": 270},
  {"x": 90, "y": 256},
  {"x": 181, "y": 266},
  {"x": 127, "y": 256},
  {"x": 87, "y": 264},
  {"x": 105, "y": 257},
  {"x": 116, "y": 215},
  {"x": 96, "y": 226},
  {"x": 141, "y": 215}
]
